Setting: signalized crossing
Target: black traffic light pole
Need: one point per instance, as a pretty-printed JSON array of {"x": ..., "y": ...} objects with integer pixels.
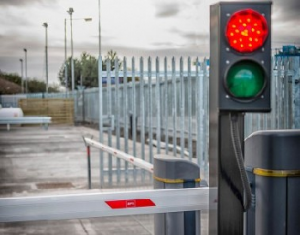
[
  {"x": 229, "y": 216},
  {"x": 226, "y": 167}
]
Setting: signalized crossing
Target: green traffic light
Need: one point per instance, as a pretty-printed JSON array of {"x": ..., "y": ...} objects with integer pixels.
[{"x": 245, "y": 79}]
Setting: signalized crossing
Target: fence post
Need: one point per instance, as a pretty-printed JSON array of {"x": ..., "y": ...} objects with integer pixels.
[
  {"x": 295, "y": 93},
  {"x": 173, "y": 173}
]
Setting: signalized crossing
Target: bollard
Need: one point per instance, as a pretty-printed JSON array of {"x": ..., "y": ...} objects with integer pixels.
[
  {"x": 273, "y": 165},
  {"x": 131, "y": 127},
  {"x": 175, "y": 173},
  {"x": 88, "y": 151}
]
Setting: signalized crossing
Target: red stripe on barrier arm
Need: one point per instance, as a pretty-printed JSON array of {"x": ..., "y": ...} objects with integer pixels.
[{"x": 130, "y": 203}]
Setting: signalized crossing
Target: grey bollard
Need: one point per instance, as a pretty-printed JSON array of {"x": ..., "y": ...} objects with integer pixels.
[
  {"x": 272, "y": 162},
  {"x": 175, "y": 173}
]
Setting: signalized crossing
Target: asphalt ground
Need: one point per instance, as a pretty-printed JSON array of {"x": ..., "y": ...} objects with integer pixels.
[{"x": 35, "y": 162}]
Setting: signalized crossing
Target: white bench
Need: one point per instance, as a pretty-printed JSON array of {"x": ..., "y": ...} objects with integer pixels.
[{"x": 25, "y": 120}]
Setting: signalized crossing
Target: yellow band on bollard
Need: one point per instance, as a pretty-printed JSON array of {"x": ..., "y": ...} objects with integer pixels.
[
  {"x": 174, "y": 181},
  {"x": 276, "y": 173}
]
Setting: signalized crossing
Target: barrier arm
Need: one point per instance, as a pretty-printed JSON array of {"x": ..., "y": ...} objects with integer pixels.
[
  {"x": 119, "y": 154},
  {"x": 89, "y": 205}
]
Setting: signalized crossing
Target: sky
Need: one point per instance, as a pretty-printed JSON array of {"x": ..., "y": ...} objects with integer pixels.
[{"x": 129, "y": 27}]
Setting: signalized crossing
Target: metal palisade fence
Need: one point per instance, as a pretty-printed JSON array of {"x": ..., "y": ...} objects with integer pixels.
[
  {"x": 160, "y": 106},
  {"x": 285, "y": 98},
  {"x": 153, "y": 107}
]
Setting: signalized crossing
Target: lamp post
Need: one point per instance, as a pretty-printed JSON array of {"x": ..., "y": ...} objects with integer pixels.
[
  {"x": 66, "y": 62},
  {"x": 70, "y": 11},
  {"x": 46, "y": 54},
  {"x": 99, "y": 28},
  {"x": 26, "y": 84},
  {"x": 22, "y": 80}
]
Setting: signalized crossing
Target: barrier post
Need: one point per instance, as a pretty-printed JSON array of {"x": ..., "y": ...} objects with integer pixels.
[
  {"x": 273, "y": 166},
  {"x": 174, "y": 173},
  {"x": 88, "y": 150}
]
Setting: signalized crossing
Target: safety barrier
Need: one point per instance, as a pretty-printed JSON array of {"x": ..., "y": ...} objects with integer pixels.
[
  {"x": 89, "y": 205},
  {"x": 169, "y": 173},
  {"x": 119, "y": 154},
  {"x": 114, "y": 152},
  {"x": 57, "y": 207},
  {"x": 26, "y": 120}
]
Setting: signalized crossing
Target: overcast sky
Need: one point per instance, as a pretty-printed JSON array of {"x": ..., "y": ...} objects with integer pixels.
[{"x": 130, "y": 27}]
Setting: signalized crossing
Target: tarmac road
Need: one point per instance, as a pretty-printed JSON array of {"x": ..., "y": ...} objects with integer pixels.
[{"x": 38, "y": 162}]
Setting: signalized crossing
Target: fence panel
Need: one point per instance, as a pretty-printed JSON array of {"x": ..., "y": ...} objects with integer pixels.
[
  {"x": 8, "y": 101},
  {"x": 285, "y": 104},
  {"x": 60, "y": 110},
  {"x": 161, "y": 106},
  {"x": 156, "y": 111}
]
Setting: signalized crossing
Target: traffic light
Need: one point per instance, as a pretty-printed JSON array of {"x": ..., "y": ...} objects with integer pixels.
[{"x": 240, "y": 56}]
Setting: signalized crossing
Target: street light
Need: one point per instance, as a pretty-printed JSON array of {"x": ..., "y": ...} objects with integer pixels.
[
  {"x": 46, "y": 54},
  {"x": 70, "y": 11},
  {"x": 66, "y": 64},
  {"x": 99, "y": 29},
  {"x": 22, "y": 80},
  {"x": 25, "y": 50}
]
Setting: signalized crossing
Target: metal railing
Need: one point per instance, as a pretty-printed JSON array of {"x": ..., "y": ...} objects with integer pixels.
[
  {"x": 164, "y": 109},
  {"x": 285, "y": 93},
  {"x": 160, "y": 111}
]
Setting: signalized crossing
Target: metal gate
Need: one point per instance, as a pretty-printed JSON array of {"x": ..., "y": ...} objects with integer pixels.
[{"x": 154, "y": 111}]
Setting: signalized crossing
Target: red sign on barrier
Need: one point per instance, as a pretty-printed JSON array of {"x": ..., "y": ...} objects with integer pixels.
[{"x": 130, "y": 203}]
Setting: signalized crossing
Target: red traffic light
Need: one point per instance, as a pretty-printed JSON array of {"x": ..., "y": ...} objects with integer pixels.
[{"x": 246, "y": 30}]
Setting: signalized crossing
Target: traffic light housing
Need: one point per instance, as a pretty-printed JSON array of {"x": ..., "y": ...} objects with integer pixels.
[{"x": 240, "y": 56}]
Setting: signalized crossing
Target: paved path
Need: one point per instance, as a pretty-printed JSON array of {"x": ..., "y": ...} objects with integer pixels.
[{"x": 38, "y": 162}]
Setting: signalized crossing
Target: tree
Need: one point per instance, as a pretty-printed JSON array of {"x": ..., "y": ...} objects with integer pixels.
[
  {"x": 34, "y": 85},
  {"x": 86, "y": 69},
  {"x": 15, "y": 78},
  {"x": 111, "y": 56},
  {"x": 89, "y": 70},
  {"x": 77, "y": 72}
]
